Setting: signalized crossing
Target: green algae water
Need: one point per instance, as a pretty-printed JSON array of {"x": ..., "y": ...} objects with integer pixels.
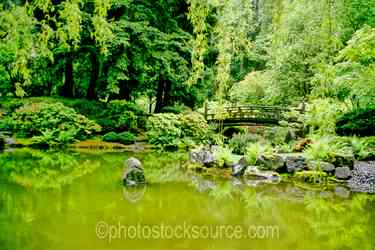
[{"x": 75, "y": 200}]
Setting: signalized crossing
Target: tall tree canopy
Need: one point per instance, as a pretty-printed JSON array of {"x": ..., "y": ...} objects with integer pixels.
[{"x": 185, "y": 51}]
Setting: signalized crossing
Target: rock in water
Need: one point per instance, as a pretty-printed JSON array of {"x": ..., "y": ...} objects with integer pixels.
[
  {"x": 273, "y": 162},
  {"x": 238, "y": 169},
  {"x": 133, "y": 173},
  {"x": 343, "y": 173}
]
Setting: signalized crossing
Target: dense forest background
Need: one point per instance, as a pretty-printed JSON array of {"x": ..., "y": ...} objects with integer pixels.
[{"x": 170, "y": 52}]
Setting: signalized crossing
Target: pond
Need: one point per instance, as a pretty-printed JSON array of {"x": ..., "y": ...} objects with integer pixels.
[{"x": 75, "y": 200}]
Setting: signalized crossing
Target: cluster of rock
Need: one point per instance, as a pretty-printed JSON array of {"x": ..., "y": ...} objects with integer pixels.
[{"x": 359, "y": 176}]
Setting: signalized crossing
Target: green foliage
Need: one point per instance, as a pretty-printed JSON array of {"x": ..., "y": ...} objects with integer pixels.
[
  {"x": 124, "y": 137},
  {"x": 254, "y": 150},
  {"x": 363, "y": 148},
  {"x": 359, "y": 122},
  {"x": 223, "y": 157},
  {"x": 52, "y": 122},
  {"x": 240, "y": 142},
  {"x": 166, "y": 130},
  {"x": 176, "y": 109},
  {"x": 320, "y": 117},
  {"x": 327, "y": 148},
  {"x": 122, "y": 116},
  {"x": 194, "y": 125},
  {"x": 351, "y": 78},
  {"x": 249, "y": 90}
]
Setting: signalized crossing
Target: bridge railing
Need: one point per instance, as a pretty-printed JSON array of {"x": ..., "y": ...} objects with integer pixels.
[{"x": 249, "y": 112}]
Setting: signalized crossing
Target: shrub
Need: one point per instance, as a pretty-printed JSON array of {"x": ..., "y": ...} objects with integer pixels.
[
  {"x": 164, "y": 130},
  {"x": 124, "y": 137},
  {"x": 122, "y": 116},
  {"x": 194, "y": 125},
  {"x": 239, "y": 142},
  {"x": 167, "y": 130},
  {"x": 360, "y": 122},
  {"x": 53, "y": 121}
]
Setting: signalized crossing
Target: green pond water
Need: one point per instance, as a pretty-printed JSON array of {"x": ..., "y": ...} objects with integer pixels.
[{"x": 75, "y": 200}]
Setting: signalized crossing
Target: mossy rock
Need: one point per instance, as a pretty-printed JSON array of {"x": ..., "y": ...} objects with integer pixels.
[{"x": 272, "y": 162}]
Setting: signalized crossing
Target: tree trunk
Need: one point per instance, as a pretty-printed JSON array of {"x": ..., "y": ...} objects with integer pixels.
[
  {"x": 125, "y": 90},
  {"x": 167, "y": 100},
  {"x": 69, "y": 80},
  {"x": 94, "y": 76},
  {"x": 159, "y": 97}
]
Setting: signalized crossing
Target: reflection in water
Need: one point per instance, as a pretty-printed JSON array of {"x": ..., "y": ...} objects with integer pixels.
[{"x": 54, "y": 201}]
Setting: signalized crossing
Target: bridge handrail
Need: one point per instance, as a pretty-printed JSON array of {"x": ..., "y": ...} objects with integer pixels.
[{"x": 246, "y": 109}]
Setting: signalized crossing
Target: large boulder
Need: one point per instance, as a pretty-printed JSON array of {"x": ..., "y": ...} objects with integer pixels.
[
  {"x": 342, "y": 160},
  {"x": 238, "y": 169},
  {"x": 202, "y": 156},
  {"x": 322, "y": 165},
  {"x": 133, "y": 173},
  {"x": 343, "y": 173},
  {"x": 295, "y": 163},
  {"x": 274, "y": 162}
]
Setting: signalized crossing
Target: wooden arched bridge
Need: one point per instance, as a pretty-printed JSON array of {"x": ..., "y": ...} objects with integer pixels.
[{"x": 247, "y": 115}]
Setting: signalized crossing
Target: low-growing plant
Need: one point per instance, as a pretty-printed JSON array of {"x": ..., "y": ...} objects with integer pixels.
[
  {"x": 239, "y": 142},
  {"x": 361, "y": 147},
  {"x": 124, "y": 137},
  {"x": 279, "y": 135},
  {"x": 51, "y": 138},
  {"x": 254, "y": 150},
  {"x": 324, "y": 148},
  {"x": 223, "y": 157}
]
